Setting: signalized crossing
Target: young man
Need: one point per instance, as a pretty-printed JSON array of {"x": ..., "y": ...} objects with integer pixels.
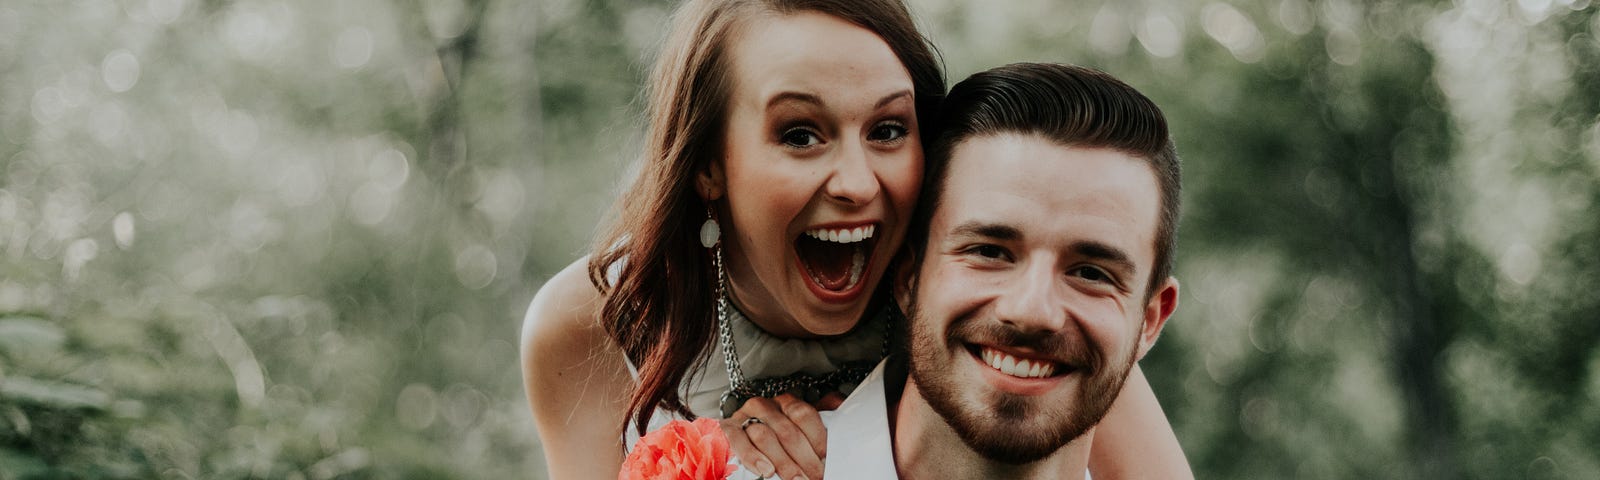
[{"x": 1044, "y": 276}]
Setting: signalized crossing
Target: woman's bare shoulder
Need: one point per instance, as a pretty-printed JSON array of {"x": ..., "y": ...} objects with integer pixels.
[
  {"x": 566, "y": 308},
  {"x": 562, "y": 334},
  {"x": 575, "y": 378}
]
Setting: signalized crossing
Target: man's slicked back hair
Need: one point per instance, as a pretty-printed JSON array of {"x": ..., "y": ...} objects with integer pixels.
[{"x": 1070, "y": 105}]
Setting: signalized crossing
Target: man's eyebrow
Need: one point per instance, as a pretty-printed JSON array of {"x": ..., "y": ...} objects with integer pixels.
[
  {"x": 988, "y": 230},
  {"x": 1104, "y": 252}
]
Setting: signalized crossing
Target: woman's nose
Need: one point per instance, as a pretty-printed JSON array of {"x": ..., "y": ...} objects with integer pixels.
[{"x": 853, "y": 182}]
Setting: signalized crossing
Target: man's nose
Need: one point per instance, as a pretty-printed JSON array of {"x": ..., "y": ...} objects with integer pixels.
[
  {"x": 853, "y": 182},
  {"x": 1032, "y": 299}
]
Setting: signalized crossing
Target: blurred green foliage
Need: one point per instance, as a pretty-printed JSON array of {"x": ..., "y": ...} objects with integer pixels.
[{"x": 291, "y": 239}]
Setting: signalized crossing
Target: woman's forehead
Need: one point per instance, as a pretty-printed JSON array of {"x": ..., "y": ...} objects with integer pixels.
[{"x": 815, "y": 57}]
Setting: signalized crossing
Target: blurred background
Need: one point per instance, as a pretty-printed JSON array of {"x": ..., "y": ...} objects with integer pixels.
[{"x": 295, "y": 239}]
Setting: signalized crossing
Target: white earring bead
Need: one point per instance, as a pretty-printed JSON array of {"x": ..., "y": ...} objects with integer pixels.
[{"x": 710, "y": 232}]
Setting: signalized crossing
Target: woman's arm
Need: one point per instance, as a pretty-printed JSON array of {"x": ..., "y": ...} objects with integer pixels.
[
  {"x": 575, "y": 377},
  {"x": 1134, "y": 439}
]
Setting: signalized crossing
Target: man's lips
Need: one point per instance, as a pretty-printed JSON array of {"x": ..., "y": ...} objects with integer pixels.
[{"x": 1017, "y": 363}]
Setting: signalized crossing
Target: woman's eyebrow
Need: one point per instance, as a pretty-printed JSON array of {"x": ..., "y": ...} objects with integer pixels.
[
  {"x": 890, "y": 98},
  {"x": 793, "y": 97},
  {"x": 812, "y": 99}
]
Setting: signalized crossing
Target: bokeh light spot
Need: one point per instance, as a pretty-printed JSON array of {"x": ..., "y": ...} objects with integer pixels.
[
  {"x": 120, "y": 70},
  {"x": 1344, "y": 46},
  {"x": 1231, "y": 28},
  {"x": 1108, "y": 32},
  {"x": 1520, "y": 263},
  {"x": 1160, "y": 35},
  {"x": 1296, "y": 16},
  {"x": 389, "y": 169},
  {"x": 353, "y": 48},
  {"x": 417, "y": 406},
  {"x": 475, "y": 266},
  {"x": 370, "y": 204}
]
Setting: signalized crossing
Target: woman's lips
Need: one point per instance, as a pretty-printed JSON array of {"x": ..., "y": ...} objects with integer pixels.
[{"x": 834, "y": 259}]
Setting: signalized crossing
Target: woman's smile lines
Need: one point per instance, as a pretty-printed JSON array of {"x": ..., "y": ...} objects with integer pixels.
[{"x": 842, "y": 235}]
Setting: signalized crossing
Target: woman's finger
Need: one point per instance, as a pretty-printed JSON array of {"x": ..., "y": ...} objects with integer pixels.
[
  {"x": 793, "y": 457},
  {"x": 806, "y": 418},
  {"x": 739, "y": 443},
  {"x": 777, "y": 436}
]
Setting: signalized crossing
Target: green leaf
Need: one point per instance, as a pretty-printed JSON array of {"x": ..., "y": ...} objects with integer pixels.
[
  {"x": 58, "y": 395},
  {"x": 28, "y": 334}
]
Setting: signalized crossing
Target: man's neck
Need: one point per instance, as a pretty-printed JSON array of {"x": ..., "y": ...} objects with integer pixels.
[{"x": 926, "y": 447}]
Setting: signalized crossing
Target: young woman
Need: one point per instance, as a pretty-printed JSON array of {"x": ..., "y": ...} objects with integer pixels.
[{"x": 783, "y": 159}]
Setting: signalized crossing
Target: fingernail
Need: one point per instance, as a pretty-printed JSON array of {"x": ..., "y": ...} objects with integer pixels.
[
  {"x": 801, "y": 477},
  {"x": 764, "y": 468}
]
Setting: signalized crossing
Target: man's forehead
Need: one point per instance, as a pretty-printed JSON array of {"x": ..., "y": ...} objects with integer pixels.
[{"x": 1041, "y": 187}]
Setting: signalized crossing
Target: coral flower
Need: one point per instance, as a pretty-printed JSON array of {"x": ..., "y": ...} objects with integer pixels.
[{"x": 680, "y": 451}]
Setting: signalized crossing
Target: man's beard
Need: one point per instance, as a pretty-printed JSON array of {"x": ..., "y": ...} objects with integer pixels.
[{"x": 1003, "y": 427}]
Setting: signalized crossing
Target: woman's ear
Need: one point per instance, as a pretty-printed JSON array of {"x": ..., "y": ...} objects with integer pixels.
[{"x": 710, "y": 181}]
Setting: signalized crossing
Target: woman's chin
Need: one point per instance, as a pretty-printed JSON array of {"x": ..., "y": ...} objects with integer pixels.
[{"x": 825, "y": 319}]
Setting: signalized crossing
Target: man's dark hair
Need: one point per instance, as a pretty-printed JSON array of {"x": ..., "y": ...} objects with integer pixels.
[{"x": 1071, "y": 105}]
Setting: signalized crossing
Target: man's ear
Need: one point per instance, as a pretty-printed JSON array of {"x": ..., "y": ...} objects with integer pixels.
[
  {"x": 1156, "y": 312},
  {"x": 710, "y": 182},
  {"x": 905, "y": 280}
]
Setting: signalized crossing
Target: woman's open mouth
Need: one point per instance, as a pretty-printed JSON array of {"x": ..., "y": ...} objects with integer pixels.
[{"x": 834, "y": 260}]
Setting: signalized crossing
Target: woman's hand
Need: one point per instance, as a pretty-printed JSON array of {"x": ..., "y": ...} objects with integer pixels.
[{"x": 782, "y": 435}]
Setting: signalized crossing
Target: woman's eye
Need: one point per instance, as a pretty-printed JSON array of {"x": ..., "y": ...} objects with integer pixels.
[
  {"x": 800, "y": 138},
  {"x": 887, "y": 132}
]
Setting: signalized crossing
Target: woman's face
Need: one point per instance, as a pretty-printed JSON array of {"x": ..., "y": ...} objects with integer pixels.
[{"x": 821, "y": 167}]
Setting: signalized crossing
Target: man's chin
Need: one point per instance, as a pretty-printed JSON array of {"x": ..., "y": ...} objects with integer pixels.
[
  {"x": 1017, "y": 432},
  {"x": 1010, "y": 428}
]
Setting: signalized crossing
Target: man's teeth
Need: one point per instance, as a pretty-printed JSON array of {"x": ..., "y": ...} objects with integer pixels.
[
  {"x": 1017, "y": 367},
  {"x": 842, "y": 235}
]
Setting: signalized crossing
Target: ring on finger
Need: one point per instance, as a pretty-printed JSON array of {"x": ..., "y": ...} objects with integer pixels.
[{"x": 748, "y": 422}]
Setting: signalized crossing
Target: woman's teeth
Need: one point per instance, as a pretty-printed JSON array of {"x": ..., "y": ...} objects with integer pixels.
[
  {"x": 842, "y": 235},
  {"x": 1017, "y": 367},
  {"x": 858, "y": 261}
]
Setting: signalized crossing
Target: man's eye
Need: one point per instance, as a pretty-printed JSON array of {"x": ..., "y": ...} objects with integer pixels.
[
  {"x": 887, "y": 132},
  {"x": 800, "y": 138},
  {"x": 1091, "y": 274},
  {"x": 988, "y": 251}
]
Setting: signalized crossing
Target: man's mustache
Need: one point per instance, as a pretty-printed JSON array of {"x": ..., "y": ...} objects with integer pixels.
[{"x": 1067, "y": 346}]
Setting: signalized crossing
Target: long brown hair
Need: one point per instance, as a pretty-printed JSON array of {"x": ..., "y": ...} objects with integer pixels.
[{"x": 657, "y": 279}]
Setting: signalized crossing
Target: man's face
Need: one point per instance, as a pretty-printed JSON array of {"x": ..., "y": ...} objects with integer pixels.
[{"x": 1030, "y": 303}]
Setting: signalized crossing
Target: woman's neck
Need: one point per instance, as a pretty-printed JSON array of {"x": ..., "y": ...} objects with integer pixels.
[{"x": 766, "y": 315}]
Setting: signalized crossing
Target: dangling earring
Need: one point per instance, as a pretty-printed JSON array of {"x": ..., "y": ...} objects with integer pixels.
[
  {"x": 710, "y": 232},
  {"x": 710, "y": 237}
]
